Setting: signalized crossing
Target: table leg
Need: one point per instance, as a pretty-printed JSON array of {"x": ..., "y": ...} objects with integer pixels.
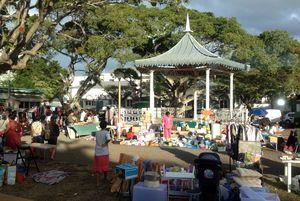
[
  {"x": 289, "y": 178},
  {"x": 285, "y": 171}
]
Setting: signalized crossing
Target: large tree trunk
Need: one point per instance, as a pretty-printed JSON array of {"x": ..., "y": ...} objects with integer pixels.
[{"x": 92, "y": 79}]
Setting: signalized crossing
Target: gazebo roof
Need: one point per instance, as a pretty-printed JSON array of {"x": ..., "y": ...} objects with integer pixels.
[{"x": 188, "y": 53}]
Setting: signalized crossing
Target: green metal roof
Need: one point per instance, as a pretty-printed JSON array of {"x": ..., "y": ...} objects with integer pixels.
[
  {"x": 21, "y": 91},
  {"x": 188, "y": 52}
]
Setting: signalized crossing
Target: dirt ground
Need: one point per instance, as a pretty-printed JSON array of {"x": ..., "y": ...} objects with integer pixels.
[{"x": 75, "y": 157}]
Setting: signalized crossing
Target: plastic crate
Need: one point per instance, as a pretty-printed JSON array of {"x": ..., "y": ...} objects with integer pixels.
[{"x": 127, "y": 171}]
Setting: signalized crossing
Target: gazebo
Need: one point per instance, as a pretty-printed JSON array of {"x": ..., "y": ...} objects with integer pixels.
[{"x": 188, "y": 57}]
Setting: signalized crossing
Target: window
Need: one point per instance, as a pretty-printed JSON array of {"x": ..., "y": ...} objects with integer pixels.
[
  {"x": 26, "y": 104},
  {"x": 90, "y": 103}
]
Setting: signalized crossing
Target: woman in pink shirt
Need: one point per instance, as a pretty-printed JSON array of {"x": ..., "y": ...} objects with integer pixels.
[{"x": 167, "y": 122}]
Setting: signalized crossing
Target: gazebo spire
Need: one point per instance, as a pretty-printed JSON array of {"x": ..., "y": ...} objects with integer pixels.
[{"x": 187, "y": 25}]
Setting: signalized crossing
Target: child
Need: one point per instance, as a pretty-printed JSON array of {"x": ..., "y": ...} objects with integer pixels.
[{"x": 101, "y": 159}]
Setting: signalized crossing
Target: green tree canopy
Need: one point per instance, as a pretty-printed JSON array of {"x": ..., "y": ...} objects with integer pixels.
[{"x": 41, "y": 74}]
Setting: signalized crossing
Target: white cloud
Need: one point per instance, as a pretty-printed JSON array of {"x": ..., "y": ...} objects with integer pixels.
[
  {"x": 294, "y": 16},
  {"x": 256, "y": 16}
]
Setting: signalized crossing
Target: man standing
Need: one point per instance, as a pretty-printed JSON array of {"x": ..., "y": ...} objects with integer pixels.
[{"x": 109, "y": 115}]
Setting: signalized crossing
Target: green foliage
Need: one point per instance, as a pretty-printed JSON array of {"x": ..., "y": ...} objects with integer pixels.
[
  {"x": 40, "y": 74},
  {"x": 130, "y": 75},
  {"x": 126, "y": 73},
  {"x": 127, "y": 32},
  {"x": 274, "y": 59}
]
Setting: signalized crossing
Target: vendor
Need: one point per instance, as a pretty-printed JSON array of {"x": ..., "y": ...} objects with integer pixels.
[{"x": 291, "y": 142}]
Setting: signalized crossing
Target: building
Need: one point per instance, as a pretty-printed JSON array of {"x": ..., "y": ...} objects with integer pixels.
[
  {"x": 97, "y": 97},
  {"x": 20, "y": 98}
]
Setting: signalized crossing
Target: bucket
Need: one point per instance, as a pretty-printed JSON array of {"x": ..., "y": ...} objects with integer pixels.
[
  {"x": 20, "y": 175},
  {"x": 11, "y": 175}
]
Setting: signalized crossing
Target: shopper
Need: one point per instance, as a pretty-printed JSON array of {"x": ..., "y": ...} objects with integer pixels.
[
  {"x": 101, "y": 159},
  {"x": 167, "y": 122},
  {"x": 54, "y": 133},
  {"x": 37, "y": 130}
]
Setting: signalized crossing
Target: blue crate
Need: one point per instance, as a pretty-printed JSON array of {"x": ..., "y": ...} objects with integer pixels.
[{"x": 127, "y": 170}]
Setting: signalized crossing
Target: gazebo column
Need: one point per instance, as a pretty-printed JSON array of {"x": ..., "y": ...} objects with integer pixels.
[
  {"x": 207, "y": 92},
  {"x": 195, "y": 105},
  {"x": 231, "y": 96},
  {"x": 152, "y": 93}
]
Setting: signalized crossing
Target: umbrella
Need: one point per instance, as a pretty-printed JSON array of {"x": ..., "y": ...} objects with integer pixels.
[{"x": 258, "y": 112}]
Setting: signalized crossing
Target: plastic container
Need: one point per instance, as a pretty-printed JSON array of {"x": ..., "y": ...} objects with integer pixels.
[
  {"x": 127, "y": 170},
  {"x": 11, "y": 175},
  {"x": 20, "y": 175},
  {"x": 2, "y": 172}
]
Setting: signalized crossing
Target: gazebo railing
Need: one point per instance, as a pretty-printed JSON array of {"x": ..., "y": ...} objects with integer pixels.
[
  {"x": 134, "y": 116},
  {"x": 239, "y": 115}
]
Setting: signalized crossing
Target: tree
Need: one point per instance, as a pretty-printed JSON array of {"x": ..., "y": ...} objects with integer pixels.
[
  {"x": 274, "y": 60},
  {"x": 40, "y": 74},
  {"x": 130, "y": 90},
  {"x": 97, "y": 34},
  {"x": 176, "y": 91},
  {"x": 27, "y": 25}
]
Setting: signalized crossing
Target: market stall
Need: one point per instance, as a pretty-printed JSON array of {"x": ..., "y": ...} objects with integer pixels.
[{"x": 202, "y": 180}]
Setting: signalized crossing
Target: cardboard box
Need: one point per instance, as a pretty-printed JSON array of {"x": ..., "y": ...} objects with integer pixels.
[{"x": 136, "y": 129}]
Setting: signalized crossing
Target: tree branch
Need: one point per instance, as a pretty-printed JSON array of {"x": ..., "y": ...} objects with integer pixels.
[
  {"x": 70, "y": 37},
  {"x": 2, "y": 3},
  {"x": 81, "y": 27},
  {"x": 21, "y": 64},
  {"x": 21, "y": 16}
]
